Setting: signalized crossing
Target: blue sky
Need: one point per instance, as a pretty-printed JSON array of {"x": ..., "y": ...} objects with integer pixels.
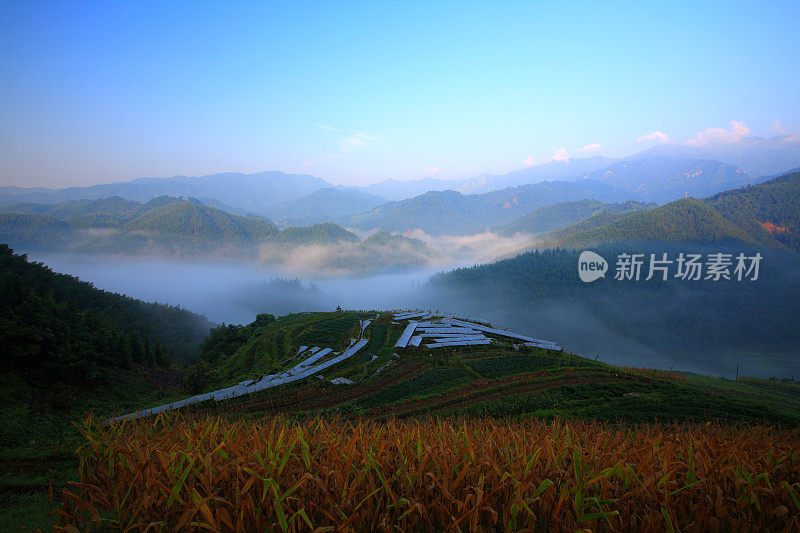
[{"x": 91, "y": 93}]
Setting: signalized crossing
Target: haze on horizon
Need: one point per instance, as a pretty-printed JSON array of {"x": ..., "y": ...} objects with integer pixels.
[{"x": 94, "y": 93}]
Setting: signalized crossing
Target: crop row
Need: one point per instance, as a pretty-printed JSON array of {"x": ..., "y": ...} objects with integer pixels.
[{"x": 460, "y": 474}]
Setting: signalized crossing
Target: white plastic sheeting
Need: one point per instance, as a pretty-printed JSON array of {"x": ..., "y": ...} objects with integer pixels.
[
  {"x": 402, "y": 342},
  {"x": 298, "y": 372},
  {"x": 457, "y": 338},
  {"x": 406, "y": 316},
  {"x": 426, "y": 334},
  {"x": 445, "y": 330},
  {"x": 313, "y": 359},
  {"x": 469, "y": 319},
  {"x": 456, "y": 343},
  {"x": 543, "y": 344},
  {"x": 504, "y": 333}
]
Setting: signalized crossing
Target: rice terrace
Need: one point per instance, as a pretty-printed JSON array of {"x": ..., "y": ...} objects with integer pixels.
[{"x": 370, "y": 421}]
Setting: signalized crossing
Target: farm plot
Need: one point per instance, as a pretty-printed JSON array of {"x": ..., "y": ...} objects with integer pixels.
[{"x": 441, "y": 475}]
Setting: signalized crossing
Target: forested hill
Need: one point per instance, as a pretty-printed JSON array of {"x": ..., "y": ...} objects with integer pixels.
[
  {"x": 324, "y": 205},
  {"x": 767, "y": 214},
  {"x": 67, "y": 347},
  {"x": 565, "y": 214},
  {"x": 55, "y": 323},
  {"x": 695, "y": 321},
  {"x": 453, "y": 213},
  {"x": 772, "y": 206},
  {"x": 162, "y": 225}
]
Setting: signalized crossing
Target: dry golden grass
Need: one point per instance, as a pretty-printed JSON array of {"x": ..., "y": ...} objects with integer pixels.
[
  {"x": 215, "y": 474},
  {"x": 654, "y": 373}
]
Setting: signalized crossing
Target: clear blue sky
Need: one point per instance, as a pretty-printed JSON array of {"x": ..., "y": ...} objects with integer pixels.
[{"x": 91, "y": 93}]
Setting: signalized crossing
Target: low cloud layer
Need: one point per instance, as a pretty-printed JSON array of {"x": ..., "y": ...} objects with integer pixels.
[
  {"x": 346, "y": 258},
  {"x": 477, "y": 248},
  {"x": 735, "y": 134}
]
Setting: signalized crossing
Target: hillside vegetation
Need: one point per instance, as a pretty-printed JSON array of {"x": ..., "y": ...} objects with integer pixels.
[
  {"x": 712, "y": 324},
  {"x": 324, "y": 205},
  {"x": 453, "y": 213},
  {"x": 66, "y": 344},
  {"x": 564, "y": 214},
  {"x": 187, "y": 227},
  {"x": 164, "y": 224},
  {"x": 766, "y": 214}
]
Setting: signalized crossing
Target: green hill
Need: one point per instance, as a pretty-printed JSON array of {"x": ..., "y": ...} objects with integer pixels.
[
  {"x": 33, "y": 231},
  {"x": 323, "y": 233},
  {"x": 563, "y": 214},
  {"x": 767, "y": 214},
  {"x": 162, "y": 225},
  {"x": 452, "y": 213},
  {"x": 687, "y": 220},
  {"x": 496, "y": 380},
  {"x": 324, "y": 205},
  {"x": 69, "y": 346},
  {"x": 383, "y": 252},
  {"x": 771, "y": 207}
]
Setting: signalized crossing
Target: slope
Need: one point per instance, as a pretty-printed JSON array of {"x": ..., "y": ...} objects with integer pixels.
[
  {"x": 767, "y": 214},
  {"x": 666, "y": 178},
  {"x": 545, "y": 219},
  {"x": 452, "y": 213},
  {"x": 324, "y": 205}
]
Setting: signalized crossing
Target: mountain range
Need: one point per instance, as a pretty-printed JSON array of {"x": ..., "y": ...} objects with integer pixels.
[
  {"x": 187, "y": 228},
  {"x": 661, "y": 174},
  {"x": 249, "y": 192}
]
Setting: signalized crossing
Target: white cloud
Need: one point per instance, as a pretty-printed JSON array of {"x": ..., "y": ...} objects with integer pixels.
[
  {"x": 529, "y": 161},
  {"x": 307, "y": 164},
  {"x": 776, "y": 127},
  {"x": 590, "y": 147},
  {"x": 430, "y": 171},
  {"x": 656, "y": 136},
  {"x": 561, "y": 155},
  {"x": 351, "y": 139},
  {"x": 720, "y": 135}
]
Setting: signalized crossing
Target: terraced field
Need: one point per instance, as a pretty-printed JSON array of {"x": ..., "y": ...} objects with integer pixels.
[
  {"x": 508, "y": 435},
  {"x": 502, "y": 379}
]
